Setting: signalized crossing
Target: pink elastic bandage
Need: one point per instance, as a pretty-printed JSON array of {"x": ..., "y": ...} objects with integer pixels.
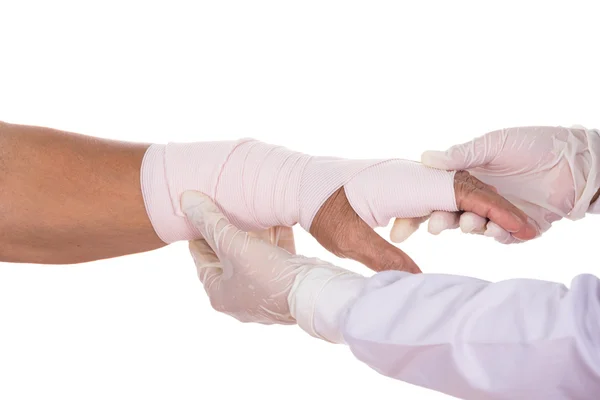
[{"x": 258, "y": 185}]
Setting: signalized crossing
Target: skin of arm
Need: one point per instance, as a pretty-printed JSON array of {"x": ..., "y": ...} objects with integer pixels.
[{"x": 68, "y": 198}]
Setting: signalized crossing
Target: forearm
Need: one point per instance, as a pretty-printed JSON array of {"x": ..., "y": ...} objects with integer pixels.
[{"x": 68, "y": 198}]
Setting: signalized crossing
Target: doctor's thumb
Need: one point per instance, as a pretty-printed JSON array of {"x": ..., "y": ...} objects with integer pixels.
[
  {"x": 403, "y": 228},
  {"x": 476, "y": 153},
  {"x": 202, "y": 213}
]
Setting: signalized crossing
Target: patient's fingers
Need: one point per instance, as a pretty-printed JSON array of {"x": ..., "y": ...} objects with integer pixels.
[{"x": 477, "y": 197}]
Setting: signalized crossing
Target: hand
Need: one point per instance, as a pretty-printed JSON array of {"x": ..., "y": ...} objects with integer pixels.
[
  {"x": 244, "y": 275},
  {"x": 258, "y": 186},
  {"x": 548, "y": 172},
  {"x": 340, "y": 230}
]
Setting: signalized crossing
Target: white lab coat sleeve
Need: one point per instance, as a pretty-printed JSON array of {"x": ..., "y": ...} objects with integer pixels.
[{"x": 517, "y": 339}]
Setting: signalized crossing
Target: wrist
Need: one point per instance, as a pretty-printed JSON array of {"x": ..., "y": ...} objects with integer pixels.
[
  {"x": 259, "y": 185},
  {"x": 168, "y": 225},
  {"x": 256, "y": 185}
]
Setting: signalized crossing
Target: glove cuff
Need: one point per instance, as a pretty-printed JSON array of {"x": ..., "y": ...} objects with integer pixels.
[{"x": 320, "y": 298}]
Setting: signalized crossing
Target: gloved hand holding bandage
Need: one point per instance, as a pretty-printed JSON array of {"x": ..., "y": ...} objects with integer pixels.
[
  {"x": 246, "y": 275},
  {"x": 258, "y": 186},
  {"x": 548, "y": 172}
]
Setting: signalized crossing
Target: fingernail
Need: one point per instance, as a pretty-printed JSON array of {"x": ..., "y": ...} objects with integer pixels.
[{"x": 192, "y": 199}]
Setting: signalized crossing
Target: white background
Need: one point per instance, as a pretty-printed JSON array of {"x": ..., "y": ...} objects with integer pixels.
[{"x": 368, "y": 79}]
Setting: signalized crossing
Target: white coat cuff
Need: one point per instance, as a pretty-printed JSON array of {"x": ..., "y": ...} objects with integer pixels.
[{"x": 320, "y": 299}]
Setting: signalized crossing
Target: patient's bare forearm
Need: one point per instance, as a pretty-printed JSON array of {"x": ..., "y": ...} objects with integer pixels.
[{"x": 67, "y": 198}]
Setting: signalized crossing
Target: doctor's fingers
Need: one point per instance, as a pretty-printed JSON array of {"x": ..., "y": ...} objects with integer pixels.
[
  {"x": 280, "y": 236},
  {"x": 403, "y": 228},
  {"x": 208, "y": 265},
  {"x": 471, "y": 223},
  {"x": 439, "y": 221},
  {"x": 225, "y": 239}
]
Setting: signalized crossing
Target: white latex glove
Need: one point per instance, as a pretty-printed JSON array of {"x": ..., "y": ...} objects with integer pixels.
[
  {"x": 548, "y": 172},
  {"x": 245, "y": 275}
]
